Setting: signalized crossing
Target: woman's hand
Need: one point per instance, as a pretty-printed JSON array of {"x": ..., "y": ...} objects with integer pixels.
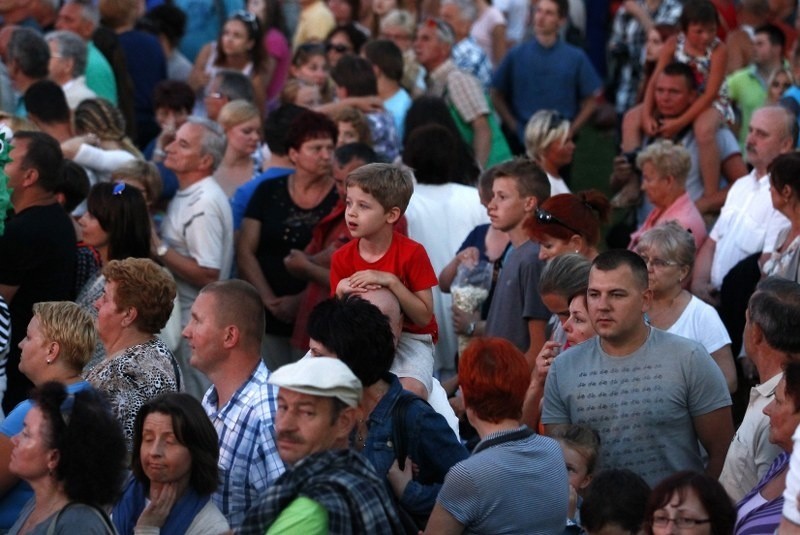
[
  {"x": 285, "y": 308},
  {"x": 161, "y": 502},
  {"x": 544, "y": 360}
]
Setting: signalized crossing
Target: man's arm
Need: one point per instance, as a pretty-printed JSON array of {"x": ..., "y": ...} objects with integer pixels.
[
  {"x": 537, "y": 333},
  {"x": 188, "y": 269},
  {"x": 442, "y": 522},
  {"x": 482, "y": 140},
  {"x": 701, "y": 276},
  {"x": 588, "y": 105},
  {"x": 249, "y": 268},
  {"x": 715, "y": 431},
  {"x": 503, "y": 110}
]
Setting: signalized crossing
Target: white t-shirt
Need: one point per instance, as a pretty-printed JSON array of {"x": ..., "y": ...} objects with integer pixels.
[
  {"x": 700, "y": 322},
  {"x": 747, "y": 224},
  {"x": 483, "y": 27},
  {"x": 516, "y": 13}
]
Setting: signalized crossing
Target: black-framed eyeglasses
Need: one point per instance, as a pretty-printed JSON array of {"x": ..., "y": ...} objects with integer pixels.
[
  {"x": 546, "y": 218},
  {"x": 663, "y": 521},
  {"x": 340, "y": 48}
]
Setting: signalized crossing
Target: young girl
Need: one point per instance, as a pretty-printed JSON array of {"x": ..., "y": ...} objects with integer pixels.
[
  {"x": 278, "y": 53},
  {"x": 698, "y": 47},
  {"x": 310, "y": 65},
  {"x": 581, "y": 447}
]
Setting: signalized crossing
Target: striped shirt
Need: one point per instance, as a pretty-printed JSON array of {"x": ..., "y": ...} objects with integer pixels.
[
  {"x": 765, "y": 517},
  {"x": 248, "y": 458}
]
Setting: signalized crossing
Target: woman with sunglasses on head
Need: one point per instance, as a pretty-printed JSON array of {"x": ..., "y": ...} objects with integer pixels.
[
  {"x": 568, "y": 223},
  {"x": 665, "y": 167},
  {"x": 669, "y": 251},
  {"x": 548, "y": 142},
  {"x": 72, "y": 454},
  {"x": 238, "y": 47}
]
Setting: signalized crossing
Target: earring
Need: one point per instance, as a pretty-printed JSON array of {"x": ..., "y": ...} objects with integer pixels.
[{"x": 49, "y": 362}]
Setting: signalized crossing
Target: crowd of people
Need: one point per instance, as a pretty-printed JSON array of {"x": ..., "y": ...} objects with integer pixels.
[{"x": 283, "y": 266}]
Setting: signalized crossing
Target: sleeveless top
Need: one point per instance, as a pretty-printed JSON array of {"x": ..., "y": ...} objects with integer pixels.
[{"x": 701, "y": 66}]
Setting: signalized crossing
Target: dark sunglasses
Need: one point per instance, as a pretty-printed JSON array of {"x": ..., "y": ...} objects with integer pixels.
[
  {"x": 546, "y": 218},
  {"x": 341, "y": 49},
  {"x": 555, "y": 121}
]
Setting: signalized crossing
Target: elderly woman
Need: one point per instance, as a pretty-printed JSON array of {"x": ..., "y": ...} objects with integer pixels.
[
  {"x": 548, "y": 142},
  {"x": 689, "y": 502},
  {"x": 568, "y": 223},
  {"x": 665, "y": 167},
  {"x": 175, "y": 453},
  {"x": 476, "y": 496},
  {"x": 668, "y": 251},
  {"x": 58, "y": 343},
  {"x": 71, "y": 452},
  {"x": 241, "y": 121},
  {"x": 760, "y": 510},
  {"x": 784, "y": 178},
  {"x": 399, "y": 26},
  {"x": 134, "y": 307},
  {"x": 280, "y": 217}
]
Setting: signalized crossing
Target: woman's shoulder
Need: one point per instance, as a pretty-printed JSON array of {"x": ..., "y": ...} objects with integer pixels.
[
  {"x": 80, "y": 518},
  {"x": 208, "y": 521}
]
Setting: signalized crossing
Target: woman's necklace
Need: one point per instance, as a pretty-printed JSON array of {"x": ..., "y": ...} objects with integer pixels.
[{"x": 372, "y": 396}]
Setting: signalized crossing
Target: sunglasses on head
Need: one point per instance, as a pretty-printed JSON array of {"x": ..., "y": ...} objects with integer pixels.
[
  {"x": 546, "y": 218},
  {"x": 248, "y": 18}
]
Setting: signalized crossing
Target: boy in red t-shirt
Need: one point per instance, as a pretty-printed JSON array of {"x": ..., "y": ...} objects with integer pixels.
[{"x": 378, "y": 257}]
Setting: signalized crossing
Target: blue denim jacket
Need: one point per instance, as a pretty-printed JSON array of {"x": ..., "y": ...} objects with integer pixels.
[{"x": 431, "y": 445}]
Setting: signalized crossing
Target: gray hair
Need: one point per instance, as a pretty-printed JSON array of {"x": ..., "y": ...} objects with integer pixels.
[
  {"x": 213, "y": 141},
  {"x": 565, "y": 275},
  {"x": 28, "y": 49},
  {"x": 668, "y": 158},
  {"x": 674, "y": 243},
  {"x": 544, "y": 127},
  {"x": 89, "y": 11},
  {"x": 467, "y": 9},
  {"x": 70, "y": 46},
  {"x": 234, "y": 85},
  {"x": 775, "y": 308},
  {"x": 400, "y": 18},
  {"x": 444, "y": 32},
  {"x": 789, "y": 120}
]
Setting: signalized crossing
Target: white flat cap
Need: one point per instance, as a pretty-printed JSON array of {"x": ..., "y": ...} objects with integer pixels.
[{"x": 320, "y": 376}]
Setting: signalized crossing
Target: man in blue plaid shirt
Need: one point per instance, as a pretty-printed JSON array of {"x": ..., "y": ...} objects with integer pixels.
[{"x": 224, "y": 334}]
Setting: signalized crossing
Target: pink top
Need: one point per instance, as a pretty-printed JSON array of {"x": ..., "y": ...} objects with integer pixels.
[
  {"x": 684, "y": 212},
  {"x": 277, "y": 47}
]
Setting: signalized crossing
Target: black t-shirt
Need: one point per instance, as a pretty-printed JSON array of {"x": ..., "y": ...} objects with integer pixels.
[
  {"x": 37, "y": 254},
  {"x": 284, "y": 226}
]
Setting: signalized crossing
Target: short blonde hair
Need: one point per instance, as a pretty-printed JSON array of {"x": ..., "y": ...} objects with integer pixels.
[
  {"x": 236, "y": 112},
  {"x": 72, "y": 327},
  {"x": 544, "y": 127},
  {"x": 143, "y": 172},
  {"x": 668, "y": 158}
]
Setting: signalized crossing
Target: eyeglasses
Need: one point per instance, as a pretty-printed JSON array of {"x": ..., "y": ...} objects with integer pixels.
[
  {"x": 546, "y": 218},
  {"x": 658, "y": 263},
  {"x": 248, "y": 18},
  {"x": 119, "y": 187},
  {"x": 340, "y": 48},
  {"x": 681, "y": 523}
]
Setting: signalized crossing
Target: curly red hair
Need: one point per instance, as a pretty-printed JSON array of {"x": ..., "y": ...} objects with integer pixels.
[{"x": 494, "y": 377}]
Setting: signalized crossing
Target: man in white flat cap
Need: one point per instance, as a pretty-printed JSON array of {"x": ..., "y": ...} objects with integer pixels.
[{"x": 327, "y": 487}]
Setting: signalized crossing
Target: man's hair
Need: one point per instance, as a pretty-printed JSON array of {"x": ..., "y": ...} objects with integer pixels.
[
  {"x": 89, "y": 11},
  {"x": 213, "y": 141},
  {"x": 74, "y": 185},
  {"x": 234, "y": 85},
  {"x": 789, "y": 122},
  {"x": 71, "y": 327},
  {"x": 444, "y": 32},
  {"x": 774, "y": 34},
  {"x": 355, "y": 74},
  {"x": 681, "y": 69},
  {"x": 616, "y": 258},
  {"x": 563, "y": 8},
  {"x": 775, "y": 308},
  {"x": 355, "y": 151},
  {"x": 44, "y": 155},
  {"x": 237, "y": 302},
  {"x": 530, "y": 178},
  {"x": 387, "y": 56},
  {"x": 340, "y": 325},
  {"x": 428, "y": 150},
  {"x": 565, "y": 275},
  {"x": 169, "y": 21},
  {"x": 615, "y": 497},
  {"x": 174, "y": 95},
  {"x": 46, "y": 102},
  {"x": 70, "y": 46},
  {"x": 28, "y": 49},
  {"x": 467, "y": 9},
  {"x": 277, "y": 125},
  {"x": 391, "y": 185},
  {"x": 494, "y": 376}
]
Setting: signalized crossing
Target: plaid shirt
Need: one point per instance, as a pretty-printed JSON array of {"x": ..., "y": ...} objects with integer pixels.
[
  {"x": 627, "y": 31},
  {"x": 468, "y": 56},
  {"x": 458, "y": 88},
  {"x": 341, "y": 481},
  {"x": 248, "y": 458}
]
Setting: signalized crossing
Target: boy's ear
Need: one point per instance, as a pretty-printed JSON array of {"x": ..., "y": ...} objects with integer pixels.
[
  {"x": 393, "y": 215},
  {"x": 531, "y": 203}
]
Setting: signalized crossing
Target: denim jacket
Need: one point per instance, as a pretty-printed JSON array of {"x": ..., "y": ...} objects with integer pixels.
[{"x": 432, "y": 445}]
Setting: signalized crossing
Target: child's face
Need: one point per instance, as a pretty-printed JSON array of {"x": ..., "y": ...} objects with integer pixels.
[
  {"x": 347, "y": 134},
  {"x": 308, "y": 96},
  {"x": 577, "y": 469},
  {"x": 508, "y": 208},
  {"x": 364, "y": 214},
  {"x": 700, "y": 36},
  {"x": 314, "y": 71}
]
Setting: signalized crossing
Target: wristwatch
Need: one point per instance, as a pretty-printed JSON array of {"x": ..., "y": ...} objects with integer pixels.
[
  {"x": 162, "y": 249},
  {"x": 471, "y": 329}
]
